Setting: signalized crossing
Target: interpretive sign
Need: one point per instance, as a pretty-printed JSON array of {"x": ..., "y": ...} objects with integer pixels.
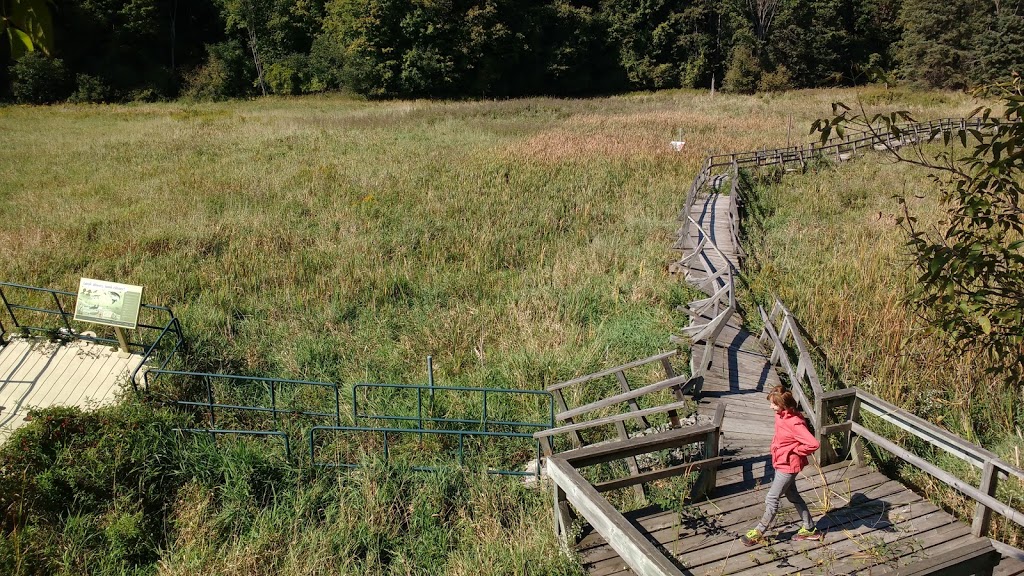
[{"x": 108, "y": 303}]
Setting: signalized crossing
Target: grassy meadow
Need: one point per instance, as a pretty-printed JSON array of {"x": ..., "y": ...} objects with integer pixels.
[{"x": 519, "y": 243}]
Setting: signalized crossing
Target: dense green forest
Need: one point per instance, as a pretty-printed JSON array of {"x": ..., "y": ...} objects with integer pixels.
[{"x": 115, "y": 50}]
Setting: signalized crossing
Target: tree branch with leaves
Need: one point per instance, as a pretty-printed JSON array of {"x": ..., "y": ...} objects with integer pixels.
[{"x": 970, "y": 284}]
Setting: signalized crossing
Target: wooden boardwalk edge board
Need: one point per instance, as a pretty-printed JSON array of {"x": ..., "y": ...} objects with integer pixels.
[{"x": 638, "y": 553}]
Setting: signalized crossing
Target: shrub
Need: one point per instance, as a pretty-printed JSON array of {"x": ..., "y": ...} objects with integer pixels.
[
  {"x": 90, "y": 89},
  {"x": 778, "y": 80},
  {"x": 323, "y": 69},
  {"x": 286, "y": 76},
  {"x": 87, "y": 489},
  {"x": 744, "y": 71},
  {"x": 37, "y": 79},
  {"x": 226, "y": 73}
]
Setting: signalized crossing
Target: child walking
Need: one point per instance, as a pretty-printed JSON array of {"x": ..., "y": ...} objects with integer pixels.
[{"x": 791, "y": 445}]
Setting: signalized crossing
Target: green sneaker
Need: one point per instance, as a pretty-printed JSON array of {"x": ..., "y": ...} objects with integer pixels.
[
  {"x": 752, "y": 537},
  {"x": 805, "y": 534}
]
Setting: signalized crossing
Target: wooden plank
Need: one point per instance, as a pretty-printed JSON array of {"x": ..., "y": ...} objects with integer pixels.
[
  {"x": 1009, "y": 566},
  {"x": 605, "y": 420},
  {"x": 641, "y": 556},
  {"x": 598, "y": 453},
  {"x": 728, "y": 555},
  {"x": 742, "y": 508},
  {"x": 929, "y": 535},
  {"x": 972, "y": 558},
  {"x": 847, "y": 550},
  {"x": 610, "y": 371},
  {"x": 717, "y": 541}
]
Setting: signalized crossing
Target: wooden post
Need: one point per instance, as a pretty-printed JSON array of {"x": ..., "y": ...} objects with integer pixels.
[
  {"x": 562, "y": 522},
  {"x": 634, "y": 468},
  {"x": 982, "y": 513},
  {"x": 122, "y": 342},
  {"x": 624, "y": 386},
  {"x": 574, "y": 436},
  {"x": 820, "y": 421},
  {"x": 708, "y": 477}
]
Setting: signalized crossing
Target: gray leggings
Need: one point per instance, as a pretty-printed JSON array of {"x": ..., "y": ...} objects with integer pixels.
[{"x": 784, "y": 483}]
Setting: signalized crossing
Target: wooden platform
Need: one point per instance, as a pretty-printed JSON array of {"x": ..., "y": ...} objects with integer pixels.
[
  {"x": 873, "y": 525},
  {"x": 39, "y": 373}
]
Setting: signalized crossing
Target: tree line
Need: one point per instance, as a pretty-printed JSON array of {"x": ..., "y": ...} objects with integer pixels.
[{"x": 108, "y": 50}]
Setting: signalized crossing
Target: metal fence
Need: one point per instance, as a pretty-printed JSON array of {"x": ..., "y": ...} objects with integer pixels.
[{"x": 157, "y": 338}]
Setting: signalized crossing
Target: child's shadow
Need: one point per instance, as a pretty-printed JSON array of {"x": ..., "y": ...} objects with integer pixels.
[{"x": 859, "y": 512}]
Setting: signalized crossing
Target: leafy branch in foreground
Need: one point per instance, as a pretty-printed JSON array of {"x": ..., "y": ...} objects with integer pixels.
[{"x": 971, "y": 282}]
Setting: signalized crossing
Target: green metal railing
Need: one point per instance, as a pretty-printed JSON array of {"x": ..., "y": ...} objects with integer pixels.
[
  {"x": 273, "y": 388},
  {"x": 460, "y": 434},
  {"x": 66, "y": 326},
  {"x": 483, "y": 422}
]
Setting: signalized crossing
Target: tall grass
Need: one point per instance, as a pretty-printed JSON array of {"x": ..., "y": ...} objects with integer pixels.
[{"x": 519, "y": 243}]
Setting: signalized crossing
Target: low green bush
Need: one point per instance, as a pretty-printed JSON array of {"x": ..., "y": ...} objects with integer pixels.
[{"x": 38, "y": 79}]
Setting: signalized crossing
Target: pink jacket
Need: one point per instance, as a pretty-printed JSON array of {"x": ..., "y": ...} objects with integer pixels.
[{"x": 792, "y": 442}]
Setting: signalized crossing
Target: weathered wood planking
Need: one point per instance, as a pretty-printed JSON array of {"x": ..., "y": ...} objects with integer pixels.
[
  {"x": 38, "y": 373},
  {"x": 873, "y": 523},
  {"x": 627, "y": 542}
]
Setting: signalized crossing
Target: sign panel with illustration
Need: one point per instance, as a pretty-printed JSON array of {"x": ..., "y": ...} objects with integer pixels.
[{"x": 108, "y": 303}]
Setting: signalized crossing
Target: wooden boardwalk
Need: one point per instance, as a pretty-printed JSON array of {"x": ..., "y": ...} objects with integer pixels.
[
  {"x": 874, "y": 525},
  {"x": 38, "y": 373}
]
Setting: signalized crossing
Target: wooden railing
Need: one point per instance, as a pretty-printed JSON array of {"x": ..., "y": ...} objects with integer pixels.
[
  {"x": 838, "y": 413},
  {"x": 566, "y": 419},
  {"x": 827, "y": 412},
  {"x": 852, "y": 141},
  {"x": 571, "y": 488},
  {"x": 717, "y": 281}
]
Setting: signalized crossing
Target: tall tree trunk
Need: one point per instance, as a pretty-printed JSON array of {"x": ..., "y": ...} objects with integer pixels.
[{"x": 256, "y": 59}]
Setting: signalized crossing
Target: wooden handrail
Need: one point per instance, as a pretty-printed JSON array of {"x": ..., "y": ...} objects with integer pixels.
[
  {"x": 979, "y": 496},
  {"x": 942, "y": 439},
  {"x": 780, "y": 356},
  {"x": 605, "y": 420},
  {"x": 634, "y": 549},
  {"x": 676, "y": 381},
  {"x": 610, "y": 371},
  {"x": 619, "y": 449}
]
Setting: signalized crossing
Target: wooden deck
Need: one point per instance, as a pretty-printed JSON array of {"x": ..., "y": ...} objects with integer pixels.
[
  {"x": 873, "y": 525},
  {"x": 39, "y": 373}
]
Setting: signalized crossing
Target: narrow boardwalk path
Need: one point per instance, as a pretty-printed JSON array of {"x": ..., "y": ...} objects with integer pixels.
[
  {"x": 874, "y": 525},
  {"x": 740, "y": 373},
  {"x": 37, "y": 373}
]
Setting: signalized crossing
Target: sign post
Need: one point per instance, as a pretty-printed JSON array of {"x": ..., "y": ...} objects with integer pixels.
[{"x": 111, "y": 304}]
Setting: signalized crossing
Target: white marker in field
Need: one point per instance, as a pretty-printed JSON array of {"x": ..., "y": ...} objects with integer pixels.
[{"x": 677, "y": 145}]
